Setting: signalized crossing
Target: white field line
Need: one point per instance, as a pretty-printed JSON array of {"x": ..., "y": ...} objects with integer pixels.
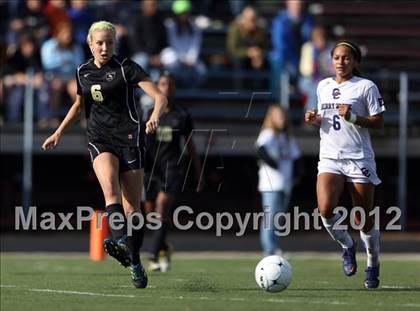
[
  {"x": 273, "y": 300},
  {"x": 396, "y": 287},
  {"x": 71, "y": 292},
  {"x": 201, "y": 298},
  {"x": 411, "y": 305}
]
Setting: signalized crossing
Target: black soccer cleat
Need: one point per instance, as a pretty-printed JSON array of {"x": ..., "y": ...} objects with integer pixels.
[
  {"x": 119, "y": 251},
  {"x": 138, "y": 276}
]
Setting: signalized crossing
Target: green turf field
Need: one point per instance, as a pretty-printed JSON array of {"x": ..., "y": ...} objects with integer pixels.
[{"x": 72, "y": 282}]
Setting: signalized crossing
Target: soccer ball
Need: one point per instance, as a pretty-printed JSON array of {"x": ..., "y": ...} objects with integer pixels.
[{"x": 273, "y": 274}]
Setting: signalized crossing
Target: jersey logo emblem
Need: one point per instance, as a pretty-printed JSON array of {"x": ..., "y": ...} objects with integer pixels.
[
  {"x": 381, "y": 102},
  {"x": 336, "y": 93},
  {"x": 86, "y": 75},
  {"x": 130, "y": 136},
  {"x": 110, "y": 75}
]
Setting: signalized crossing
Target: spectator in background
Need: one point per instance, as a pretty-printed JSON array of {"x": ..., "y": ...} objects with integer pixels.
[
  {"x": 277, "y": 152},
  {"x": 16, "y": 77},
  {"x": 246, "y": 41},
  {"x": 315, "y": 64},
  {"x": 13, "y": 24},
  {"x": 60, "y": 57},
  {"x": 35, "y": 21},
  {"x": 148, "y": 38},
  {"x": 81, "y": 18},
  {"x": 56, "y": 14},
  {"x": 29, "y": 19},
  {"x": 290, "y": 29},
  {"x": 181, "y": 58}
]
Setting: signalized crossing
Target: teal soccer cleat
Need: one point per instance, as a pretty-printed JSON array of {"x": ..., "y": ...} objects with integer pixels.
[{"x": 138, "y": 276}]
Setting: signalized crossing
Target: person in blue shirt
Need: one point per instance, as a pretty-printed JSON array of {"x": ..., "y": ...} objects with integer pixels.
[
  {"x": 290, "y": 29},
  {"x": 60, "y": 57}
]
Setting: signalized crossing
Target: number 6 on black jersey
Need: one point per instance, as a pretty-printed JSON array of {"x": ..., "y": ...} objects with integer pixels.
[{"x": 95, "y": 90}]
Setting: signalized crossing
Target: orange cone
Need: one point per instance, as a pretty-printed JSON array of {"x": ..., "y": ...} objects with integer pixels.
[{"x": 98, "y": 232}]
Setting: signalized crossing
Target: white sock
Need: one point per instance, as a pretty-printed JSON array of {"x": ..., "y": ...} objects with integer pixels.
[
  {"x": 341, "y": 236},
  {"x": 371, "y": 241}
]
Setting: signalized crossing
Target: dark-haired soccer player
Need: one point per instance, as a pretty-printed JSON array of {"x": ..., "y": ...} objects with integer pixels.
[
  {"x": 167, "y": 173},
  {"x": 348, "y": 106},
  {"x": 105, "y": 89}
]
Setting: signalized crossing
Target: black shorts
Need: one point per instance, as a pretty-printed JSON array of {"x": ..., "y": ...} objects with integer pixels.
[
  {"x": 164, "y": 178},
  {"x": 130, "y": 158}
]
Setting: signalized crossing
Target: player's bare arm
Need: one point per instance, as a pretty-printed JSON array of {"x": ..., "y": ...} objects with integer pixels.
[
  {"x": 312, "y": 117},
  {"x": 161, "y": 103},
  {"x": 373, "y": 122},
  {"x": 72, "y": 115}
]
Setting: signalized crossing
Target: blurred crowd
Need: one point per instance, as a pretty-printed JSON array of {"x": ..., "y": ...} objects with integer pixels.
[{"x": 49, "y": 38}]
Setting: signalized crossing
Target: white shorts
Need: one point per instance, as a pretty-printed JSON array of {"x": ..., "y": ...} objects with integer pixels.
[{"x": 356, "y": 171}]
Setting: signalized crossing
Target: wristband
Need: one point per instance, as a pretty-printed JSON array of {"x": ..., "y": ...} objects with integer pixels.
[{"x": 352, "y": 118}]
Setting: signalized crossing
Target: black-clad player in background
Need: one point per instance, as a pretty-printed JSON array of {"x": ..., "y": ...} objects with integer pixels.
[
  {"x": 105, "y": 89},
  {"x": 169, "y": 168}
]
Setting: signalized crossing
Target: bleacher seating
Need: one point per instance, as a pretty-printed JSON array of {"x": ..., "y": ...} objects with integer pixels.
[{"x": 389, "y": 33}]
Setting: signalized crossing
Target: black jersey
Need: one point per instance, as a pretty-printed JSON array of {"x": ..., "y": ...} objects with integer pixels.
[
  {"x": 164, "y": 146},
  {"x": 108, "y": 95}
]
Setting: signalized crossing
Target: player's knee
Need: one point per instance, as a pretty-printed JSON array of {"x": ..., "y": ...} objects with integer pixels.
[{"x": 359, "y": 219}]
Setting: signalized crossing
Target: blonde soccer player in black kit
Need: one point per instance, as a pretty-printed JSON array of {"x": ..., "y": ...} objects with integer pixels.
[{"x": 105, "y": 89}]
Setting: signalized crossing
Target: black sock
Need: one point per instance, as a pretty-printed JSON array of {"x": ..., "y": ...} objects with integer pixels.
[
  {"x": 135, "y": 241},
  {"x": 116, "y": 234},
  {"x": 159, "y": 240}
]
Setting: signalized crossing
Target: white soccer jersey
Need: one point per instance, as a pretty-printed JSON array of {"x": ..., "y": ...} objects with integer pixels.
[
  {"x": 282, "y": 149},
  {"x": 341, "y": 139}
]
